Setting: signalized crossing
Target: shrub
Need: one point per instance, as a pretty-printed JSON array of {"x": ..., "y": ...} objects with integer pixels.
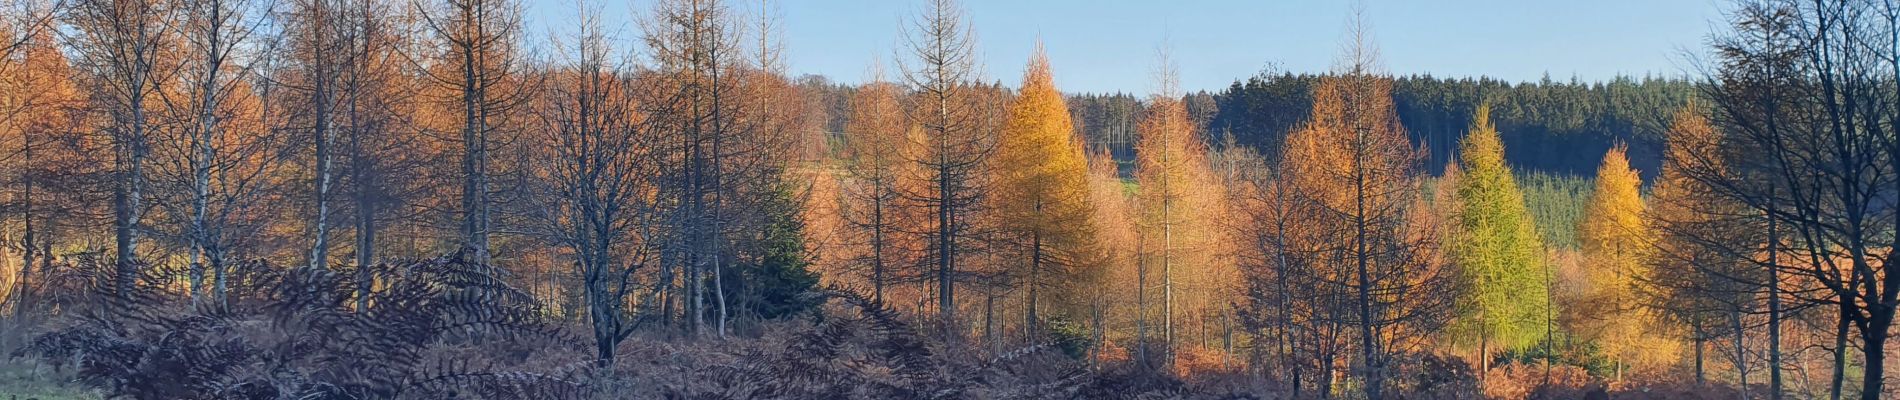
[{"x": 436, "y": 328}]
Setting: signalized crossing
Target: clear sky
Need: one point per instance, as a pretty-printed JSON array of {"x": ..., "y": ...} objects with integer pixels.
[{"x": 1110, "y": 45}]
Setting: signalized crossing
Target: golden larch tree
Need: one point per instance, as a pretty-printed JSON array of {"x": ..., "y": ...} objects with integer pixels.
[
  {"x": 1701, "y": 287},
  {"x": 1178, "y": 198},
  {"x": 1042, "y": 183},
  {"x": 877, "y": 147},
  {"x": 1354, "y": 163},
  {"x": 1616, "y": 239}
]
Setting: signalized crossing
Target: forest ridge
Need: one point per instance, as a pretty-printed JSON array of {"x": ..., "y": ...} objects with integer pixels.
[{"x": 348, "y": 199}]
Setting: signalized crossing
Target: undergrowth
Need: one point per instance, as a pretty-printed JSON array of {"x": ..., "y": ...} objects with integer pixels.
[{"x": 445, "y": 328}]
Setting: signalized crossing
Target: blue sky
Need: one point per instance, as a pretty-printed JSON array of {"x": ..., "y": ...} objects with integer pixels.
[{"x": 1109, "y": 45}]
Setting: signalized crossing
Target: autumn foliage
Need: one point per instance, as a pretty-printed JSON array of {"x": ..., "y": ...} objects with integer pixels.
[{"x": 378, "y": 199}]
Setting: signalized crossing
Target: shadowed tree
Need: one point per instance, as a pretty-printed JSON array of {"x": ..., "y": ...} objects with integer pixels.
[
  {"x": 598, "y": 196},
  {"x": 120, "y": 45},
  {"x": 944, "y": 103},
  {"x": 478, "y": 64}
]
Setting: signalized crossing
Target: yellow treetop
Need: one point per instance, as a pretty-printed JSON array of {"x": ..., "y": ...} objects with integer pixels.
[
  {"x": 1043, "y": 176},
  {"x": 1613, "y": 231},
  {"x": 1041, "y": 170},
  {"x": 1617, "y": 240}
]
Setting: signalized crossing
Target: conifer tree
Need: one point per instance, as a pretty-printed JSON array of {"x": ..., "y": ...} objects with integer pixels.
[
  {"x": 876, "y": 139},
  {"x": 1617, "y": 240},
  {"x": 947, "y": 104},
  {"x": 1170, "y": 163},
  {"x": 1117, "y": 240},
  {"x": 478, "y": 38},
  {"x": 40, "y": 105},
  {"x": 1354, "y": 163},
  {"x": 1497, "y": 247},
  {"x": 1042, "y": 182},
  {"x": 1693, "y": 282}
]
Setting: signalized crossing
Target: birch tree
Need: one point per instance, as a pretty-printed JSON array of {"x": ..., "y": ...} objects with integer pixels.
[{"x": 119, "y": 44}]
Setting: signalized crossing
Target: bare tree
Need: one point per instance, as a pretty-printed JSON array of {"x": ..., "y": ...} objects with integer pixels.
[
  {"x": 217, "y": 168},
  {"x": 1802, "y": 93},
  {"x": 120, "y": 45},
  {"x": 602, "y": 159},
  {"x": 321, "y": 45},
  {"x": 941, "y": 77},
  {"x": 480, "y": 38},
  {"x": 374, "y": 92}
]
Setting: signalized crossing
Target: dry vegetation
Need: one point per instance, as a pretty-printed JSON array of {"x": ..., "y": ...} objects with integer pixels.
[{"x": 416, "y": 199}]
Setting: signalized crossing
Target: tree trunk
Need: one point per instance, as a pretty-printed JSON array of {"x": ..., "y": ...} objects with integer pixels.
[
  {"x": 877, "y": 241},
  {"x": 719, "y": 296},
  {"x": 605, "y": 318},
  {"x": 1375, "y": 379},
  {"x": 1227, "y": 339},
  {"x": 717, "y": 231},
  {"x": 1324, "y": 385},
  {"x": 1838, "y": 380},
  {"x": 200, "y": 196},
  {"x": 1774, "y": 306},
  {"x": 365, "y": 222},
  {"x": 321, "y": 108},
  {"x": 1035, "y": 279},
  {"x": 1874, "y": 349},
  {"x": 1296, "y": 382},
  {"x": 989, "y": 320},
  {"x": 1095, "y": 351},
  {"x": 946, "y": 264},
  {"x": 474, "y": 138},
  {"x": 1741, "y": 353},
  {"x": 128, "y": 195},
  {"x": 1701, "y": 377},
  {"x": 215, "y": 254},
  {"x": 1484, "y": 357},
  {"x": 1141, "y": 302},
  {"x": 24, "y": 291},
  {"x": 1167, "y": 280}
]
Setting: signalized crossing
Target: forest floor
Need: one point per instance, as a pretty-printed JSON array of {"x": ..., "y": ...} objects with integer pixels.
[{"x": 22, "y": 378}]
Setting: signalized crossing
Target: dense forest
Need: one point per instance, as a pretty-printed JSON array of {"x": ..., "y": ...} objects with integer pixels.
[
  {"x": 349, "y": 199},
  {"x": 1551, "y": 126}
]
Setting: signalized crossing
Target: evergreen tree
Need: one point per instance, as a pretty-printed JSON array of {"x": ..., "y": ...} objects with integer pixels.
[{"x": 773, "y": 280}]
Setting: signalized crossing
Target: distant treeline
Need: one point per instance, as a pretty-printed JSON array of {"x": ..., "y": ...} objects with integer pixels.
[{"x": 1560, "y": 127}]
